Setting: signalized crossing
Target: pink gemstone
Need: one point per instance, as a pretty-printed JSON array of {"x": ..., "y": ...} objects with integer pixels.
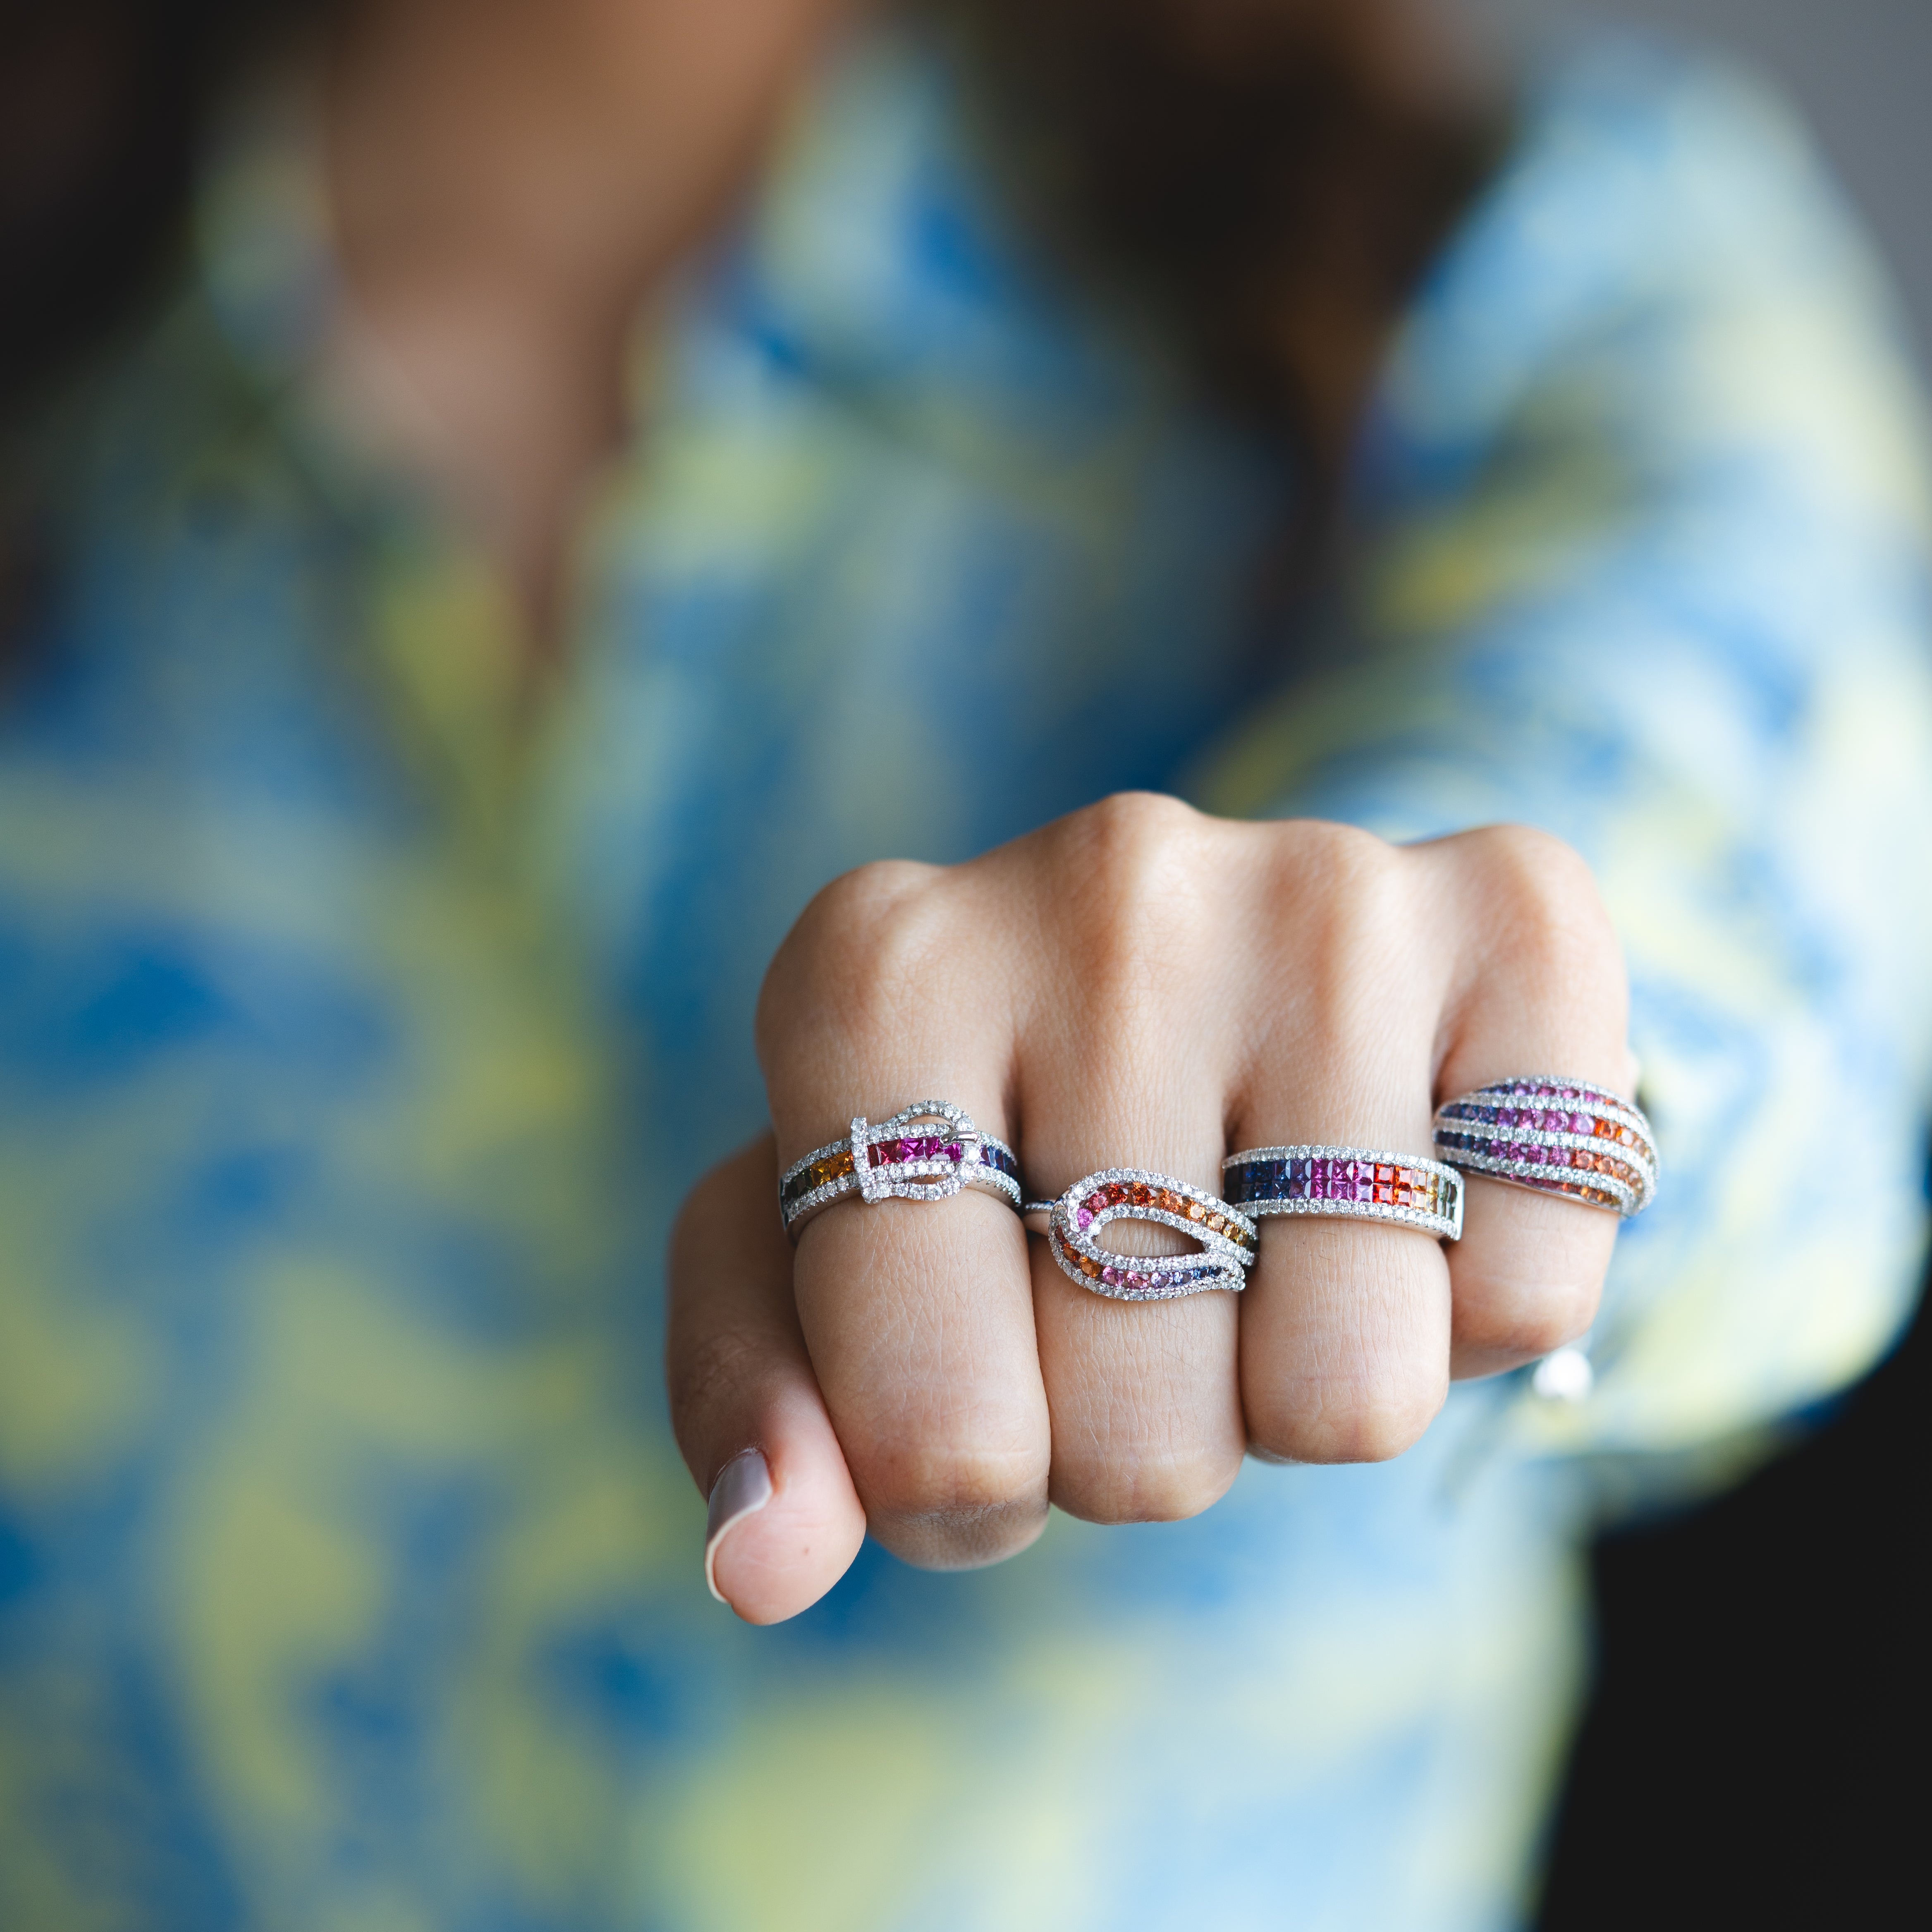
[
  {"x": 1084, "y": 1219},
  {"x": 954, "y": 1151},
  {"x": 1094, "y": 1203},
  {"x": 1137, "y": 1281},
  {"x": 1111, "y": 1276}
]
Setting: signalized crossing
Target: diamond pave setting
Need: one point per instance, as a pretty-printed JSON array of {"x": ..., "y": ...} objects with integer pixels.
[
  {"x": 927, "y": 1151},
  {"x": 1354, "y": 1183},
  {"x": 1556, "y": 1134},
  {"x": 1226, "y": 1235}
]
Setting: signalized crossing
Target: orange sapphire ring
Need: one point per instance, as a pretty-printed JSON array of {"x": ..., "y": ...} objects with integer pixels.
[
  {"x": 1556, "y": 1134},
  {"x": 926, "y": 1152},
  {"x": 1073, "y": 1223},
  {"x": 1359, "y": 1184}
]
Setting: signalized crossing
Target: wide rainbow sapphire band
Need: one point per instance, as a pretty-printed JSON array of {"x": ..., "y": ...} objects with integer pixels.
[{"x": 1555, "y": 1135}]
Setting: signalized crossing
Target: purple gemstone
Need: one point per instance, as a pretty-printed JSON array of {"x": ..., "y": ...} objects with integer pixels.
[
  {"x": 1505, "y": 1117},
  {"x": 954, "y": 1151}
]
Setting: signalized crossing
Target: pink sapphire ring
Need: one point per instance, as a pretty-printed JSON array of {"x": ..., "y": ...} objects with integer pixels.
[
  {"x": 1556, "y": 1134},
  {"x": 1073, "y": 1223},
  {"x": 1358, "y": 1183},
  {"x": 926, "y": 1152}
]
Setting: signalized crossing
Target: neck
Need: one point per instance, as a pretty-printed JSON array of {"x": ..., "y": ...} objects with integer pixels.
[{"x": 511, "y": 180}]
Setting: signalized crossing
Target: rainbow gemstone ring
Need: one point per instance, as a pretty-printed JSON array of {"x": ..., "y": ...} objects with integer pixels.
[
  {"x": 1556, "y": 1134},
  {"x": 1073, "y": 1223},
  {"x": 892, "y": 1162},
  {"x": 1359, "y": 1183}
]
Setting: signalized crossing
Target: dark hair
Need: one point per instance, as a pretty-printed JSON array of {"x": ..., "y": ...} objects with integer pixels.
[
  {"x": 101, "y": 107},
  {"x": 1245, "y": 168}
]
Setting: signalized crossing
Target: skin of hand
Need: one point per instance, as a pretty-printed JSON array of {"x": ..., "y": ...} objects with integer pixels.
[{"x": 1137, "y": 985}]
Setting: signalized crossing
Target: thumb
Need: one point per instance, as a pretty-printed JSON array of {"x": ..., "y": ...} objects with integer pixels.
[{"x": 785, "y": 1520}]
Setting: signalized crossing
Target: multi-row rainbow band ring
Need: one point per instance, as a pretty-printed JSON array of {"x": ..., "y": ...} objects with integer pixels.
[
  {"x": 891, "y": 1162},
  {"x": 1360, "y": 1183},
  {"x": 1073, "y": 1223},
  {"x": 1556, "y": 1134}
]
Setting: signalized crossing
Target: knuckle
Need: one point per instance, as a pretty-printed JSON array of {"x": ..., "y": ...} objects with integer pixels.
[
  {"x": 1350, "y": 1421},
  {"x": 856, "y": 949},
  {"x": 1541, "y": 900},
  {"x": 1341, "y": 910},
  {"x": 948, "y": 1487},
  {"x": 1170, "y": 1488},
  {"x": 1134, "y": 849},
  {"x": 1528, "y": 1323},
  {"x": 1132, "y": 873}
]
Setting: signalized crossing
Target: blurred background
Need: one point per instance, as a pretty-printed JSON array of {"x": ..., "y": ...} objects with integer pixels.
[{"x": 1773, "y": 1645}]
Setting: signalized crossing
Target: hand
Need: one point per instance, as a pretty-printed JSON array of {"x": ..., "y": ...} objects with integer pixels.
[{"x": 1135, "y": 985}]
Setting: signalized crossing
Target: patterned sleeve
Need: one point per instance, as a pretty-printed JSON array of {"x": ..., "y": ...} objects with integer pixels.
[{"x": 1642, "y": 526}]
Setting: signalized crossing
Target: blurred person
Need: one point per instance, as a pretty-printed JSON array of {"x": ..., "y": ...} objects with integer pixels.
[{"x": 600, "y": 472}]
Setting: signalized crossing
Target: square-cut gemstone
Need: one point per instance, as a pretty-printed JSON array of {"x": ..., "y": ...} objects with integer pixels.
[{"x": 1384, "y": 1174}]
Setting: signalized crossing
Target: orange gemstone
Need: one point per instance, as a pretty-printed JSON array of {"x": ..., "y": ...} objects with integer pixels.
[
  {"x": 1089, "y": 1267},
  {"x": 1385, "y": 1174},
  {"x": 1140, "y": 1194},
  {"x": 1405, "y": 1197},
  {"x": 1195, "y": 1212},
  {"x": 1217, "y": 1222}
]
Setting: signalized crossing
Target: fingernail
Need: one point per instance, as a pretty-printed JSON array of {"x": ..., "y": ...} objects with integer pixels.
[{"x": 743, "y": 1487}]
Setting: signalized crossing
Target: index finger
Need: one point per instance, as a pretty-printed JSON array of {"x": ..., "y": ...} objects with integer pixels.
[{"x": 917, "y": 1314}]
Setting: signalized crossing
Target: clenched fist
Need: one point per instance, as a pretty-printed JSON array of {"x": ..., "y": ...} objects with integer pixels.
[{"x": 1135, "y": 985}]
